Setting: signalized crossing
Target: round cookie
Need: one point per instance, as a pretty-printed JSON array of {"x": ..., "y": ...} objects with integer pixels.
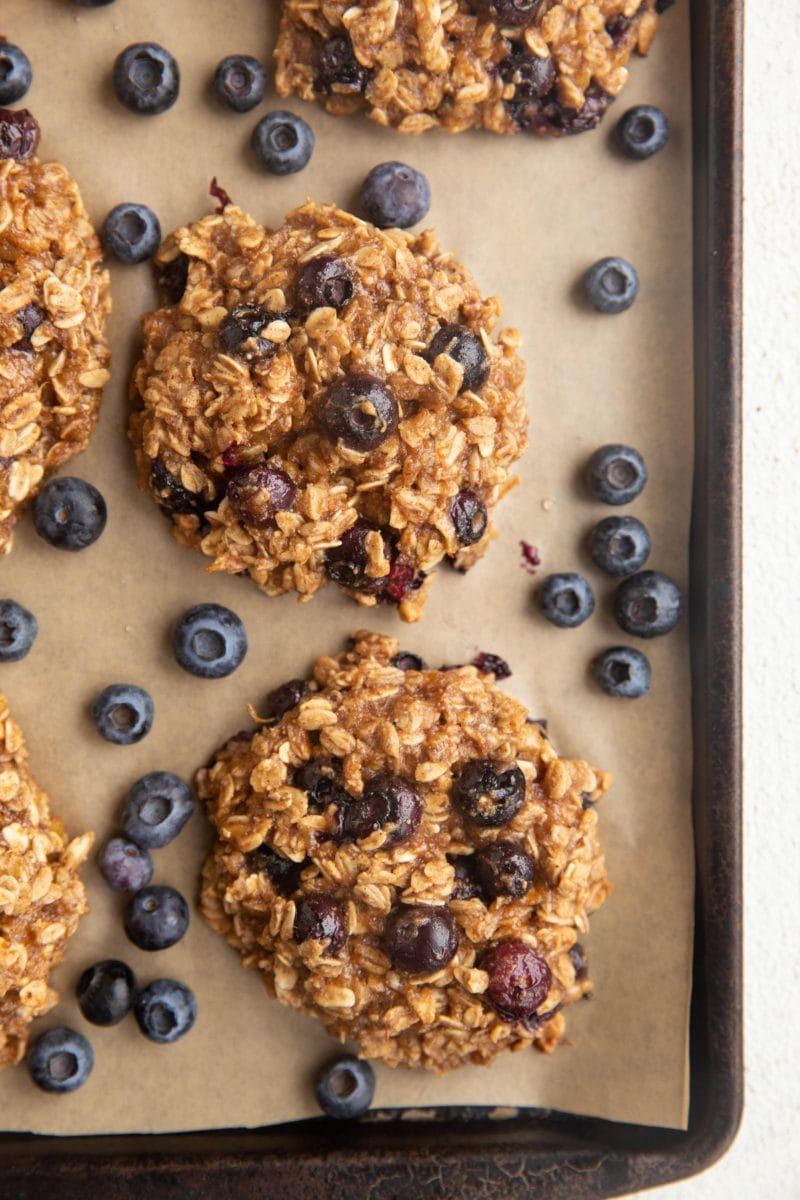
[
  {"x": 327, "y": 402},
  {"x": 54, "y": 300},
  {"x": 508, "y": 66},
  {"x": 403, "y": 855}
]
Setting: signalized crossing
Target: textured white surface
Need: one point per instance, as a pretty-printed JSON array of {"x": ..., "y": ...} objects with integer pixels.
[{"x": 765, "y": 1159}]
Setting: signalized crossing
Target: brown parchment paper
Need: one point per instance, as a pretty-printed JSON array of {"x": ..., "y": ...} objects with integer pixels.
[{"x": 528, "y": 216}]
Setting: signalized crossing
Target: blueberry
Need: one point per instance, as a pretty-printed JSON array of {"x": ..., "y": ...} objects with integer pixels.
[
  {"x": 420, "y": 938},
  {"x": 319, "y": 918},
  {"x": 165, "y": 1010},
  {"x": 18, "y": 630},
  {"x": 239, "y": 333},
  {"x": 642, "y": 131},
  {"x": 16, "y": 73},
  {"x": 489, "y": 793},
  {"x": 504, "y": 869},
  {"x": 580, "y": 963},
  {"x": 123, "y": 713},
  {"x": 321, "y": 779},
  {"x": 388, "y": 801},
  {"x": 257, "y": 493},
  {"x": 156, "y": 809},
  {"x": 465, "y": 884},
  {"x": 648, "y": 604},
  {"x": 172, "y": 278},
  {"x": 532, "y": 77},
  {"x": 339, "y": 69},
  {"x": 281, "y": 699},
  {"x": 406, "y": 661},
  {"x": 466, "y": 349},
  {"x": 60, "y": 1060},
  {"x": 492, "y": 664},
  {"x": 131, "y": 233},
  {"x": 125, "y": 866},
  {"x": 519, "y": 979},
  {"x": 283, "y": 142},
  {"x": 106, "y": 992},
  {"x": 611, "y": 285},
  {"x": 616, "y": 474},
  {"x": 325, "y": 282},
  {"x": 619, "y": 545},
  {"x": 622, "y": 671},
  {"x": 470, "y": 517},
  {"x": 395, "y": 196},
  {"x": 146, "y": 78},
  {"x": 173, "y": 499},
  {"x": 209, "y": 641},
  {"x": 347, "y": 563},
  {"x": 19, "y": 134},
  {"x": 506, "y": 13},
  {"x": 156, "y": 917},
  {"x": 361, "y": 410},
  {"x": 240, "y": 82},
  {"x": 344, "y": 1087},
  {"x": 284, "y": 873},
  {"x": 93, "y": 3},
  {"x": 567, "y": 600},
  {"x": 69, "y": 513},
  {"x": 30, "y": 317}
]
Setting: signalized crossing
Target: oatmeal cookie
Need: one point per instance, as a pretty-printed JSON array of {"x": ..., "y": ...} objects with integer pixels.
[
  {"x": 402, "y": 854},
  {"x": 54, "y": 299},
  {"x": 327, "y": 402},
  {"x": 41, "y": 895},
  {"x": 508, "y": 66}
]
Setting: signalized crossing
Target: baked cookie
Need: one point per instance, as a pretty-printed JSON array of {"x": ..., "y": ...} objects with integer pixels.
[
  {"x": 402, "y": 854},
  {"x": 41, "y": 895},
  {"x": 54, "y": 300},
  {"x": 509, "y": 66},
  {"x": 327, "y": 402}
]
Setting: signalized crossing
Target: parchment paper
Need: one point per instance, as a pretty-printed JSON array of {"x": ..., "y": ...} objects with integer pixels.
[{"x": 528, "y": 216}]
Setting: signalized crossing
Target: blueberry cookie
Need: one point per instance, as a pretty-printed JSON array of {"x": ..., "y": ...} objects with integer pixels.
[
  {"x": 509, "y": 66},
  {"x": 54, "y": 300},
  {"x": 41, "y": 895},
  {"x": 403, "y": 855},
  {"x": 328, "y": 402}
]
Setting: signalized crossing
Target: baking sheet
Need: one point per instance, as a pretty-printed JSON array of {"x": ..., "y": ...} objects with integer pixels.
[{"x": 527, "y": 216}]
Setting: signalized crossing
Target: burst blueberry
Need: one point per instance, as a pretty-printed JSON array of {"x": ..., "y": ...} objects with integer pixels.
[
  {"x": 106, "y": 992},
  {"x": 619, "y": 545},
  {"x": 467, "y": 350},
  {"x": 131, "y": 233},
  {"x": 209, "y": 641},
  {"x": 18, "y": 630},
  {"x": 258, "y": 492},
  {"x": 156, "y": 917},
  {"x": 16, "y": 73},
  {"x": 321, "y": 918},
  {"x": 519, "y": 979},
  {"x": 361, "y": 410},
  {"x": 470, "y": 517},
  {"x": 60, "y": 1060},
  {"x": 345, "y": 1087},
  {"x": 146, "y": 78},
  {"x": 648, "y": 604},
  {"x": 489, "y": 793},
  {"x": 420, "y": 938},
  {"x": 19, "y": 134},
  {"x": 611, "y": 285},
  {"x": 388, "y": 802},
  {"x": 325, "y": 282},
  {"x": 566, "y": 600},
  {"x": 165, "y": 1010},
  {"x": 283, "y": 142},
  {"x": 642, "y": 131},
  {"x": 623, "y": 672},
  {"x": 283, "y": 873},
  {"x": 240, "y": 82},
  {"x": 339, "y": 70},
  {"x": 156, "y": 809},
  {"x": 125, "y": 866},
  {"x": 281, "y": 699},
  {"x": 395, "y": 195},
  {"x": 504, "y": 869},
  {"x": 123, "y": 713},
  {"x": 69, "y": 513},
  {"x": 616, "y": 474}
]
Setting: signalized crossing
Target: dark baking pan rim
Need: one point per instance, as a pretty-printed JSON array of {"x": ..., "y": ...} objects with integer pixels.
[{"x": 541, "y": 1154}]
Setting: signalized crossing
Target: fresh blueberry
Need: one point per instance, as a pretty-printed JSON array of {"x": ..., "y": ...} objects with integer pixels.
[
  {"x": 283, "y": 142},
  {"x": 344, "y": 1087},
  {"x": 69, "y": 513},
  {"x": 642, "y": 131},
  {"x": 16, "y": 73},
  {"x": 519, "y": 979},
  {"x": 60, "y": 1060},
  {"x": 504, "y": 869},
  {"x": 165, "y": 1010},
  {"x": 420, "y": 938},
  {"x": 156, "y": 917},
  {"x": 131, "y": 233},
  {"x": 123, "y": 713},
  {"x": 146, "y": 78},
  {"x": 619, "y": 545},
  {"x": 240, "y": 82},
  {"x": 156, "y": 809},
  {"x": 281, "y": 699},
  {"x": 648, "y": 604},
  {"x": 395, "y": 196},
  {"x": 19, "y": 134},
  {"x": 361, "y": 410},
  {"x": 470, "y": 517},
  {"x": 258, "y": 492},
  {"x": 18, "y": 630},
  {"x": 106, "y": 992},
  {"x": 489, "y": 793},
  {"x": 622, "y": 671},
  {"x": 466, "y": 349},
  {"x": 125, "y": 866},
  {"x": 209, "y": 641},
  {"x": 325, "y": 282},
  {"x": 611, "y": 285},
  {"x": 567, "y": 600},
  {"x": 319, "y": 918},
  {"x": 616, "y": 474}
]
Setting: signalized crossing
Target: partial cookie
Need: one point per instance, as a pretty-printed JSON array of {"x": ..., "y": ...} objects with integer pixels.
[
  {"x": 509, "y": 66},
  {"x": 41, "y": 895},
  {"x": 403, "y": 855},
  {"x": 328, "y": 402},
  {"x": 54, "y": 300}
]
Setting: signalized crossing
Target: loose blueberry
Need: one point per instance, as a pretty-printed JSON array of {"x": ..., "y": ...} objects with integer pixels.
[
  {"x": 504, "y": 869},
  {"x": 123, "y": 713},
  {"x": 16, "y": 73},
  {"x": 284, "y": 698},
  {"x": 611, "y": 285},
  {"x": 146, "y": 78},
  {"x": 156, "y": 809},
  {"x": 642, "y": 131},
  {"x": 339, "y": 70},
  {"x": 619, "y": 545},
  {"x": 165, "y": 1010},
  {"x": 406, "y": 661},
  {"x": 106, "y": 992},
  {"x": 257, "y": 493},
  {"x": 209, "y": 641},
  {"x": 131, "y": 233},
  {"x": 344, "y": 1088},
  {"x": 125, "y": 866},
  {"x": 240, "y": 82},
  {"x": 283, "y": 142},
  {"x": 566, "y": 600},
  {"x": 492, "y": 664},
  {"x": 347, "y": 563},
  {"x": 616, "y": 474},
  {"x": 319, "y": 918},
  {"x": 156, "y": 917},
  {"x": 321, "y": 778},
  {"x": 466, "y": 349},
  {"x": 19, "y": 134},
  {"x": 69, "y": 513},
  {"x": 489, "y": 793},
  {"x": 470, "y": 517},
  {"x": 239, "y": 333},
  {"x": 361, "y": 410},
  {"x": 420, "y": 938},
  {"x": 60, "y": 1060},
  {"x": 18, "y": 630},
  {"x": 623, "y": 672},
  {"x": 284, "y": 873},
  {"x": 395, "y": 196},
  {"x": 465, "y": 885},
  {"x": 519, "y": 979},
  {"x": 504, "y": 13},
  {"x": 648, "y": 604},
  {"x": 386, "y": 802},
  {"x": 325, "y": 282}
]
